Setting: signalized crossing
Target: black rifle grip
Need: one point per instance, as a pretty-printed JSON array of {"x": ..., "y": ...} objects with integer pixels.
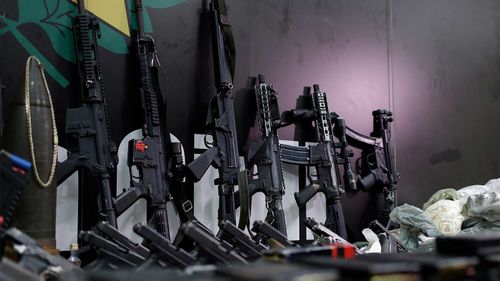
[
  {"x": 369, "y": 181},
  {"x": 305, "y": 195},
  {"x": 127, "y": 198}
]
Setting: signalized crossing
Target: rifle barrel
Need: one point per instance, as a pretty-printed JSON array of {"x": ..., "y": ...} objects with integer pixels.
[{"x": 140, "y": 21}]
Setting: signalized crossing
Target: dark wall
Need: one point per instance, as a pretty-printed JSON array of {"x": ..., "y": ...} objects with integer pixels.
[
  {"x": 446, "y": 94},
  {"x": 434, "y": 63}
]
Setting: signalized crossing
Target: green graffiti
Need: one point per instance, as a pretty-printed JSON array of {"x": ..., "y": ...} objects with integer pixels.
[{"x": 54, "y": 17}]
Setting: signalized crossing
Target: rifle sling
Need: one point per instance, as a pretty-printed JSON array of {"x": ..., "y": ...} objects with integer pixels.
[
  {"x": 228, "y": 34},
  {"x": 183, "y": 204},
  {"x": 245, "y": 202}
]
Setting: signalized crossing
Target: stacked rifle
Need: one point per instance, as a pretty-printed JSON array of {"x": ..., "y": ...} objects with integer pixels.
[{"x": 158, "y": 174}]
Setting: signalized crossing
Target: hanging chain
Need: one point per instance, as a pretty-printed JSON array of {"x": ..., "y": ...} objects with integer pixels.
[{"x": 27, "y": 107}]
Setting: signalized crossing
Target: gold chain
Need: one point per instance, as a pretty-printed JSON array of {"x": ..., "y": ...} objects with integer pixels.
[{"x": 27, "y": 107}]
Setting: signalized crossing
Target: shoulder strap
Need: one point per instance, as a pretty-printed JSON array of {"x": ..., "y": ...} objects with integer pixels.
[{"x": 221, "y": 7}]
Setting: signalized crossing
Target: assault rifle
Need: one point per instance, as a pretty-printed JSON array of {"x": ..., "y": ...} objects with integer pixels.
[
  {"x": 223, "y": 155},
  {"x": 150, "y": 154},
  {"x": 87, "y": 126},
  {"x": 376, "y": 174},
  {"x": 322, "y": 156},
  {"x": 266, "y": 154},
  {"x": 375, "y": 170}
]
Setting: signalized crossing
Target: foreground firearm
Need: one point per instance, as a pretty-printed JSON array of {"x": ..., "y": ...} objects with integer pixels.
[
  {"x": 270, "y": 235},
  {"x": 111, "y": 254},
  {"x": 248, "y": 248},
  {"x": 211, "y": 247},
  {"x": 322, "y": 232},
  {"x": 323, "y": 157},
  {"x": 34, "y": 258},
  {"x": 13, "y": 177},
  {"x": 88, "y": 125},
  {"x": 220, "y": 121},
  {"x": 266, "y": 155},
  {"x": 162, "y": 249},
  {"x": 149, "y": 154}
]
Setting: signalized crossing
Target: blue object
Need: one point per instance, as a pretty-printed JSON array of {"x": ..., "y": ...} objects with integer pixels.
[{"x": 18, "y": 161}]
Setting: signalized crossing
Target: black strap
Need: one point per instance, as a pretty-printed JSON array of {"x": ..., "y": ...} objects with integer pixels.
[
  {"x": 245, "y": 200},
  {"x": 221, "y": 7},
  {"x": 183, "y": 204}
]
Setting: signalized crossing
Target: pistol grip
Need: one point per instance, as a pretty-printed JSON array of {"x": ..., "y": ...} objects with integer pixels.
[{"x": 305, "y": 195}]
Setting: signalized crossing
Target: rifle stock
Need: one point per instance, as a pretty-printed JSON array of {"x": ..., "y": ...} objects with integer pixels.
[{"x": 306, "y": 194}]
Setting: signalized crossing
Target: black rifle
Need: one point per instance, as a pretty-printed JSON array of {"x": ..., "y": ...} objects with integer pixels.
[
  {"x": 88, "y": 124},
  {"x": 322, "y": 156},
  {"x": 220, "y": 121},
  {"x": 162, "y": 249},
  {"x": 375, "y": 170},
  {"x": 266, "y": 154},
  {"x": 389, "y": 177},
  {"x": 149, "y": 154}
]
